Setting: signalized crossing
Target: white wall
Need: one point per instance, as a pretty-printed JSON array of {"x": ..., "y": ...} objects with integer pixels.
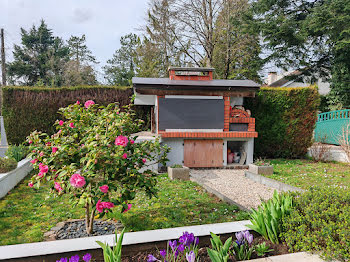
[{"x": 176, "y": 154}]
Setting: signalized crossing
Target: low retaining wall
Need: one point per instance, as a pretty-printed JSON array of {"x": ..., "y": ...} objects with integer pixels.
[
  {"x": 11, "y": 179},
  {"x": 335, "y": 153},
  {"x": 271, "y": 182},
  {"x": 133, "y": 242}
]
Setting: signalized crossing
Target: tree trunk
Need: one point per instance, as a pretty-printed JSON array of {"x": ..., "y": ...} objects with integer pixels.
[{"x": 89, "y": 219}]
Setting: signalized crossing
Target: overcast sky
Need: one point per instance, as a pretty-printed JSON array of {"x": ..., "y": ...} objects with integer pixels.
[{"x": 102, "y": 21}]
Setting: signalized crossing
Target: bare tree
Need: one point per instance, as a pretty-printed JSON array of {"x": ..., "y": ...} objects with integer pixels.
[{"x": 345, "y": 140}]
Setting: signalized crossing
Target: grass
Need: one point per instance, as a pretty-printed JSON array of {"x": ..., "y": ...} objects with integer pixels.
[
  {"x": 26, "y": 214},
  {"x": 304, "y": 173}
]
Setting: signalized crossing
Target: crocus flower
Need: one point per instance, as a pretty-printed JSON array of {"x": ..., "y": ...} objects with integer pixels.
[
  {"x": 129, "y": 207},
  {"x": 99, "y": 206},
  {"x": 121, "y": 141},
  {"x": 89, "y": 103},
  {"x": 71, "y": 125},
  {"x": 144, "y": 160},
  {"x": 74, "y": 258},
  {"x": 196, "y": 241},
  {"x": 181, "y": 248},
  {"x": 172, "y": 244},
  {"x": 54, "y": 149},
  {"x": 151, "y": 258},
  {"x": 125, "y": 156},
  {"x": 77, "y": 180},
  {"x": 30, "y": 184},
  {"x": 61, "y": 122},
  {"x": 191, "y": 256},
  {"x": 239, "y": 236},
  {"x": 87, "y": 257},
  {"x": 33, "y": 161},
  {"x": 58, "y": 187},
  {"x": 63, "y": 259},
  {"x": 187, "y": 238},
  {"x": 104, "y": 188},
  {"x": 162, "y": 253}
]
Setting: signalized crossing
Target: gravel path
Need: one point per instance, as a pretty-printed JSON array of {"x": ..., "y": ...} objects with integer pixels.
[{"x": 234, "y": 185}]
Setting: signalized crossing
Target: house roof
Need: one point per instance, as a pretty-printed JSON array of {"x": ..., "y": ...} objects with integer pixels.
[
  {"x": 285, "y": 79},
  {"x": 163, "y": 86}
]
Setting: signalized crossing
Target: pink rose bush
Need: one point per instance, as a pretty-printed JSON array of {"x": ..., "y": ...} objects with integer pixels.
[{"x": 100, "y": 164}]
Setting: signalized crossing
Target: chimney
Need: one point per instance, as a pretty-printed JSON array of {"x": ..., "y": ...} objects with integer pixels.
[
  {"x": 272, "y": 77},
  {"x": 191, "y": 73}
]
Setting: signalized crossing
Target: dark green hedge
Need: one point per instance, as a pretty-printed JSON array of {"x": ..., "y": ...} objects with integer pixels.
[
  {"x": 285, "y": 120},
  {"x": 35, "y": 108}
]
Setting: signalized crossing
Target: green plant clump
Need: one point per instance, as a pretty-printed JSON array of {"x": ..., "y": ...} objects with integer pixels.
[
  {"x": 320, "y": 221},
  {"x": 7, "y": 164},
  {"x": 17, "y": 152},
  {"x": 176, "y": 166},
  {"x": 267, "y": 219}
]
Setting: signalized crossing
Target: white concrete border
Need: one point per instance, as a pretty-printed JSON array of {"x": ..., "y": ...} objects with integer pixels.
[
  {"x": 11, "y": 179},
  {"x": 130, "y": 238}
]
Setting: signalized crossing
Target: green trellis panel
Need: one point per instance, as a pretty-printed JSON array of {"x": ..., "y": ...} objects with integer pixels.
[{"x": 329, "y": 126}]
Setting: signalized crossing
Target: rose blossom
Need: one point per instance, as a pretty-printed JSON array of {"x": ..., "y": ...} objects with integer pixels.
[
  {"x": 121, "y": 141},
  {"x": 99, "y": 206},
  {"x": 30, "y": 142},
  {"x": 129, "y": 207},
  {"x": 30, "y": 184},
  {"x": 41, "y": 154},
  {"x": 78, "y": 102},
  {"x": 77, "y": 180},
  {"x": 104, "y": 188},
  {"x": 71, "y": 125},
  {"x": 43, "y": 168},
  {"x": 33, "y": 161},
  {"x": 125, "y": 156},
  {"x": 54, "y": 149},
  {"x": 40, "y": 174},
  {"x": 48, "y": 144},
  {"x": 144, "y": 160},
  {"x": 132, "y": 141},
  {"x": 58, "y": 187},
  {"x": 61, "y": 123},
  {"x": 89, "y": 103},
  {"x": 107, "y": 205}
]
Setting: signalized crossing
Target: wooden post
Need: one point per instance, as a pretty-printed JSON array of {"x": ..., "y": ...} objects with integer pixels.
[{"x": 3, "y": 66}]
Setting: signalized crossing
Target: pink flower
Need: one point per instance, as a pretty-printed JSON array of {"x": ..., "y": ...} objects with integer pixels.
[
  {"x": 129, "y": 207},
  {"x": 107, "y": 205},
  {"x": 30, "y": 184},
  {"x": 58, "y": 187},
  {"x": 104, "y": 188},
  {"x": 30, "y": 142},
  {"x": 43, "y": 168},
  {"x": 78, "y": 102},
  {"x": 125, "y": 156},
  {"x": 144, "y": 160},
  {"x": 132, "y": 141},
  {"x": 33, "y": 161},
  {"x": 48, "y": 144},
  {"x": 41, "y": 154},
  {"x": 54, "y": 149},
  {"x": 77, "y": 180},
  {"x": 121, "y": 141},
  {"x": 89, "y": 103},
  {"x": 59, "y": 132},
  {"x": 71, "y": 125},
  {"x": 117, "y": 113},
  {"x": 40, "y": 174},
  {"x": 61, "y": 123},
  {"x": 99, "y": 206}
]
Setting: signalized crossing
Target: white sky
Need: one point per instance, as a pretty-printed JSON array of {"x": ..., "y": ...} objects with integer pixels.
[{"x": 102, "y": 21}]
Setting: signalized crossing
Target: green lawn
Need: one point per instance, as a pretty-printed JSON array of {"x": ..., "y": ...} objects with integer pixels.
[
  {"x": 25, "y": 214},
  {"x": 305, "y": 173}
]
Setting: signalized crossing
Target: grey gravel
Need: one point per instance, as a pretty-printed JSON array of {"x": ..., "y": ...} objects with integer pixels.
[{"x": 234, "y": 185}]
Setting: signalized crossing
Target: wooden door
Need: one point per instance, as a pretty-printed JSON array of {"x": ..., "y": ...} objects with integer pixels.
[{"x": 203, "y": 153}]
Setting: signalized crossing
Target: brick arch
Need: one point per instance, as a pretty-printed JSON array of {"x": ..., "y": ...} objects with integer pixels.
[{"x": 235, "y": 112}]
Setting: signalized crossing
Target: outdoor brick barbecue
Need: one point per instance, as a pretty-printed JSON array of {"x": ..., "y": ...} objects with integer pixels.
[{"x": 202, "y": 119}]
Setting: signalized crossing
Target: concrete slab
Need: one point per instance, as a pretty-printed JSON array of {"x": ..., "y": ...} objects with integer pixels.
[{"x": 294, "y": 257}]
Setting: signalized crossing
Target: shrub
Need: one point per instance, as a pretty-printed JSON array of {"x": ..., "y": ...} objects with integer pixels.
[
  {"x": 7, "y": 164},
  {"x": 320, "y": 221},
  {"x": 267, "y": 219},
  {"x": 26, "y": 109},
  {"x": 285, "y": 120},
  {"x": 17, "y": 152},
  {"x": 93, "y": 158}
]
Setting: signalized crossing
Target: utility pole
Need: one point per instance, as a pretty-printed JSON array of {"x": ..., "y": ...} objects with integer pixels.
[{"x": 3, "y": 66}]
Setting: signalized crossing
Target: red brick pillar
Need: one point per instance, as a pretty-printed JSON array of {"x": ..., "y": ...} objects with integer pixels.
[{"x": 226, "y": 113}]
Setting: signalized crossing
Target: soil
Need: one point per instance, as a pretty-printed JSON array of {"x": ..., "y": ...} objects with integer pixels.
[{"x": 278, "y": 249}]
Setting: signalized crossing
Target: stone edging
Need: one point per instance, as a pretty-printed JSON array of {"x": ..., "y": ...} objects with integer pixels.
[
  {"x": 271, "y": 182},
  {"x": 130, "y": 238},
  {"x": 218, "y": 194},
  {"x": 9, "y": 180}
]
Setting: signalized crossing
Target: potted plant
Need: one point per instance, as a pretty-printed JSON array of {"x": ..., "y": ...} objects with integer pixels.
[
  {"x": 261, "y": 167},
  {"x": 178, "y": 172}
]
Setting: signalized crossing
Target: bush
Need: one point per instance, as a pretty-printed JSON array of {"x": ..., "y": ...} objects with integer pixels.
[
  {"x": 26, "y": 109},
  {"x": 7, "y": 164},
  {"x": 320, "y": 221},
  {"x": 285, "y": 120},
  {"x": 17, "y": 152}
]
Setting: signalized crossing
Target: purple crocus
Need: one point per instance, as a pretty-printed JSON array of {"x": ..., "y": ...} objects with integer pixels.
[
  {"x": 239, "y": 236},
  {"x": 181, "y": 248},
  {"x": 74, "y": 258},
  {"x": 249, "y": 238},
  {"x": 191, "y": 256},
  {"x": 63, "y": 259},
  {"x": 151, "y": 258},
  {"x": 162, "y": 252},
  {"x": 196, "y": 241},
  {"x": 172, "y": 244},
  {"x": 87, "y": 257},
  {"x": 186, "y": 238}
]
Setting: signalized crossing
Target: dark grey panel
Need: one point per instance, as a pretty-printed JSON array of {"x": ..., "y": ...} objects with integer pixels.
[
  {"x": 238, "y": 127},
  {"x": 176, "y": 113}
]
